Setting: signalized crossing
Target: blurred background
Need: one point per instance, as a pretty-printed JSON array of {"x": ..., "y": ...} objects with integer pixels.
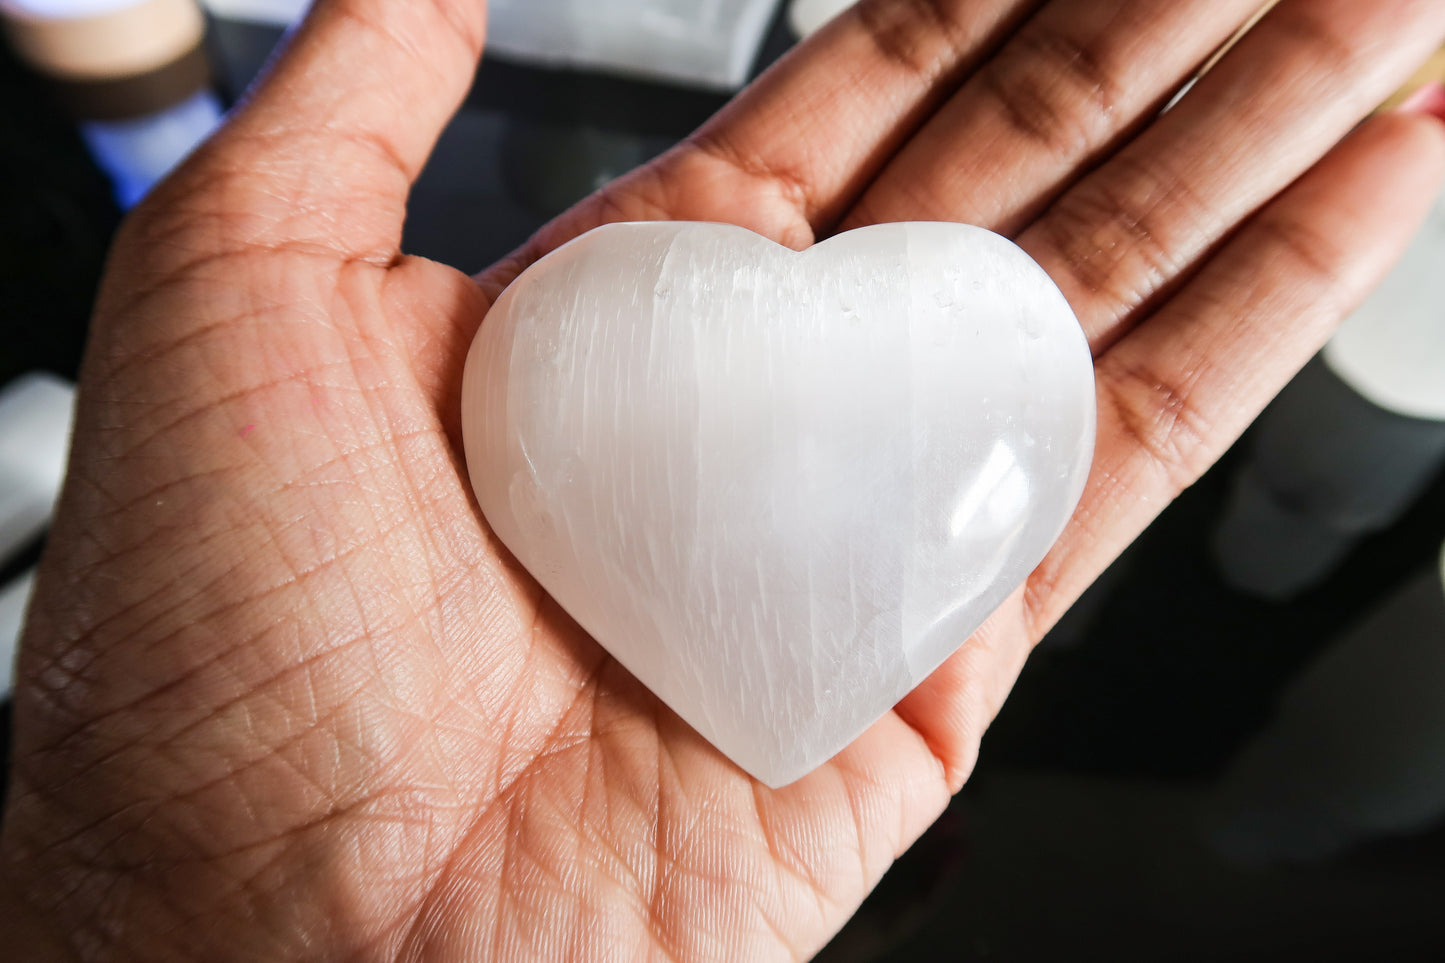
[{"x": 1232, "y": 748}]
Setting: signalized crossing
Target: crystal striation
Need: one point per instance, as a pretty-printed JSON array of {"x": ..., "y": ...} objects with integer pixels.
[{"x": 780, "y": 488}]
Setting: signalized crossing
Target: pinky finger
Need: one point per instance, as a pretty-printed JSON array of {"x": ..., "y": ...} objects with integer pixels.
[{"x": 1178, "y": 391}]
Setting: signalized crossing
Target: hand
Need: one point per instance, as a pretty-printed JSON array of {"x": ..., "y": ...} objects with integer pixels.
[{"x": 283, "y": 696}]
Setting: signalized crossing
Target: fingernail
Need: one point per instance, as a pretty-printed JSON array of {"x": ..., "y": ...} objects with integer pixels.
[{"x": 1429, "y": 99}]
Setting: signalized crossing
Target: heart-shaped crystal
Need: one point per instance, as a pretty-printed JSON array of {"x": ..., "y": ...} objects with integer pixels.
[{"x": 779, "y": 487}]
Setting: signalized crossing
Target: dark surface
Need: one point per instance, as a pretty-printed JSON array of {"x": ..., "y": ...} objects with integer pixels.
[
  {"x": 1326, "y": 467},
  {"x": 56, "y": 219},
  {"x": 1085, "y": 833}
]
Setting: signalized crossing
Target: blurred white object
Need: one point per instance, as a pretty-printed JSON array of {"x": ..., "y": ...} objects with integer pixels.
[
  {"x": 1392, "y": 350},
  {"x": 64, "y": 8},
  {"x": 707, "y": 43},
  {"x": 279, "y": 12},
  {"x": 710, "y": 43},
  {"x": 101, "y": 40},
  {"x": 35, "y": 421},
  {"x": 13, "y": 600},
  {"x": 806, "y": 16}
]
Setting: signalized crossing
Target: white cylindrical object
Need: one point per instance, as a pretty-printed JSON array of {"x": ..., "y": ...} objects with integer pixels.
[
  {"x": 13, "y": 601},
  {"x": 101, "y": 39},
  {"x": 278, "y": 12},
  {"x": 703, "y": 43},
  {"x": 807, "y": 16},
  {"x": 133, "y": 72},
  {"x": 57, "y": 9},
  {"x": 35, "y": 422}
]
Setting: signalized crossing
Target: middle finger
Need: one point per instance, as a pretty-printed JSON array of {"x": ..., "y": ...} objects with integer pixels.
[
  {"x": 1128, "y": 233},
  {"x": 1074, "y": 80}
]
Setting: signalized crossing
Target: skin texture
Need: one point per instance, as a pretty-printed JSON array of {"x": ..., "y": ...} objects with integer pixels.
[{"x": 282, "y": 696}]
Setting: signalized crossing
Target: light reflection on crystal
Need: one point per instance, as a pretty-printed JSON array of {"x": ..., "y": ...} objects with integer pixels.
[{"x": 1000, "y": 490}]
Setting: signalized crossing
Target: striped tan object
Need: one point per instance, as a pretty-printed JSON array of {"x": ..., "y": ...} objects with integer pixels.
[
  {"x": 109, "y": 45},
  {"x": 117, "y": 61}
]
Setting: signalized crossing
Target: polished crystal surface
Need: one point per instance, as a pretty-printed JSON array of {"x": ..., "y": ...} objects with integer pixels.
[{"x": 780, "y": 488}]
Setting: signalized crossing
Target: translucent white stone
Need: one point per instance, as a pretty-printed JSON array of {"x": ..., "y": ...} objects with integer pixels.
[{"x": 780, "y": 488}]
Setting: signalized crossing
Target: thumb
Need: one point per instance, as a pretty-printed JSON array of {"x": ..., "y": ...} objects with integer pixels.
[{"x": 332, "y": 138}]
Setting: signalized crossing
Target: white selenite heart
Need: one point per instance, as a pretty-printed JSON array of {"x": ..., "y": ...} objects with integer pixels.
[{"x": 780, "y": 488}]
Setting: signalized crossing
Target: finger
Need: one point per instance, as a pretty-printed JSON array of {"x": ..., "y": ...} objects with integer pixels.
[
  {"x": 817, "y": 128},
  {"x": 341, "y": 126},
  {"x": 1119, "y": 240},
  {"x": 1177, "y": 391},
  {"x": 1074, "y": 81},
  {"x": 789, "y": 155}
]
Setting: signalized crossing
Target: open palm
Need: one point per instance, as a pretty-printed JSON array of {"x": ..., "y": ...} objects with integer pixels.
[{"x": 283, "y": 695}]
